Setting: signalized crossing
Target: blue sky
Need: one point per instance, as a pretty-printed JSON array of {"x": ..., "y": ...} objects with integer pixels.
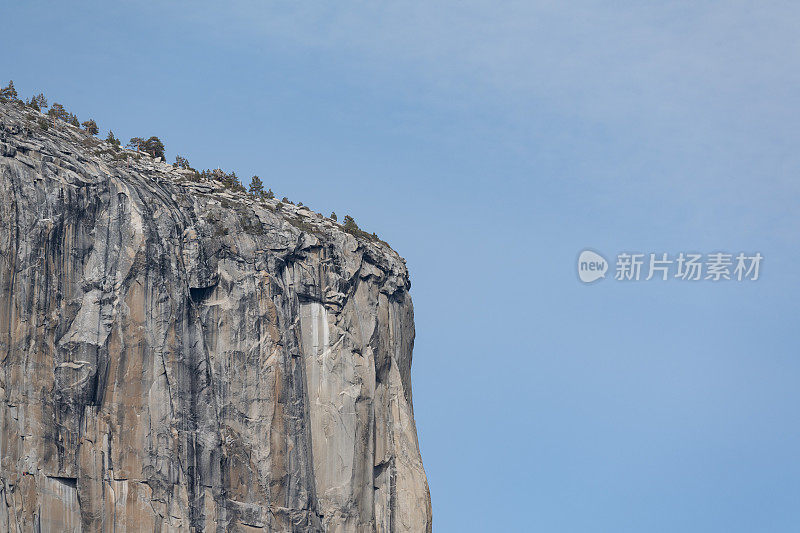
[{"x": 489, "y": 143}]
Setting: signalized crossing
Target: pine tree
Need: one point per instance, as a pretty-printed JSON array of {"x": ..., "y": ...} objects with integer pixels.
[
  {"x": 154, "y": 147},
  {"x": 9, "y": 92},
  {"x": 37, "y": 102},
  {"x": 256, "y": 187},
  {"x": 350, "y": 223},
  {"x": 40, "y": 100},
  {"x": 57, "y": 111},
  {"x": 135, "y": 143},
  {"x": 91, "y": 127},
  {"x": 113, "y": 140},
  {"x": 333, "y": 216}
]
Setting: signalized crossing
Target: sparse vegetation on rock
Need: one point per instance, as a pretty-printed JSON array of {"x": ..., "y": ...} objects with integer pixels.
[
  {"x": 154, "y": 147},
  {"x": 256, "y": 187},
  {"x": 113, "y": 140},
  {"x": 352, "y": 228},
  {"x": 135, "y": 143},
  {"x": 91, "y": 127},
  {"x": 9, "y": 92},
  {"x": 57, "y": 112},
  {"x": 37, "y": 102},
  {"x": 181, "y": 162}
]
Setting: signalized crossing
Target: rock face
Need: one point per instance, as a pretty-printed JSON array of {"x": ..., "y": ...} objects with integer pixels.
[{"x": 175, "y": 356}]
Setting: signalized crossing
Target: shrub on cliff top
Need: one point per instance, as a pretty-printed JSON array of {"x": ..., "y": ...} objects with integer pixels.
[
  {"x": 91, "y": 127},
  {"x": 113, "y": 140},
  {"x": 37, "y": 102},
  {"x": 256, "y": 187},
  {"x": 154, "y": 147},
  {"x": 231, "y": 181},
  {"x": 9, "y": 92},
  {"x": 57, "y": 111},
  {"x": 181, "y": 162},
  {"x": 228, "y": 179},
  {"x": 352, "y": 228},
  {"x": 350, "y": 225},
  {"x": 135, "y": 143}
]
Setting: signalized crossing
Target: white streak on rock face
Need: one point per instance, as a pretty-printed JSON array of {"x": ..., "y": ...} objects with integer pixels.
[
  {"x": 329, "y": 374},
  {"x": 58, "y": 505}
]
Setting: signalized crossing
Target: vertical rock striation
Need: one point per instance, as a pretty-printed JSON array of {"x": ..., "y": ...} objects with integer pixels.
[{"x": 175, "y": 356}]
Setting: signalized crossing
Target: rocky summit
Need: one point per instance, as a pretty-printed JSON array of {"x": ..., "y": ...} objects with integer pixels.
[{"x": 176, "y": 355}]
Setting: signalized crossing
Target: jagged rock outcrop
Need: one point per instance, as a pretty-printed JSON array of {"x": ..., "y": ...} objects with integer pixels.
[{"x": 176, "y": 356}]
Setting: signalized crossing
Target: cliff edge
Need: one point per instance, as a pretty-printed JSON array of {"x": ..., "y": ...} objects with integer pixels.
[{"x": 178, "y": 356}]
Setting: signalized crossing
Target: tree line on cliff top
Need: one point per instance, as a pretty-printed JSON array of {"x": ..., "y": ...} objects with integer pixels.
[{"x": 155, "y": 148}]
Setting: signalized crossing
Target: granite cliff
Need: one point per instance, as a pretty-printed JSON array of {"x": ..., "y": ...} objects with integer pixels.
[{"x": 178, "y": 356}]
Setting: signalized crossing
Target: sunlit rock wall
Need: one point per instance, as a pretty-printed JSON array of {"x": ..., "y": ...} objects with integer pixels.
[{"x": 175, "y": 356}]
